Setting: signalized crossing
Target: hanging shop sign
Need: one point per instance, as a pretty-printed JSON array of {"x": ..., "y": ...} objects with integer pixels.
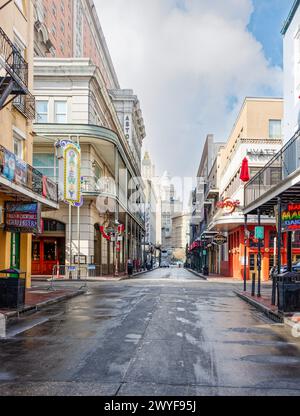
[
  {"x": 228, "y": 205},
  {"x": 220, "y": 239},
  {"x": 259, "y": 233},
  {"x": 72, "y": 182},
  {"x": 23, "y": 218},
  {"x": 290, "y": 217}
]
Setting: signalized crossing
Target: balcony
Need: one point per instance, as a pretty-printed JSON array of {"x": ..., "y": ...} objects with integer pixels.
[
  {"x": 26, "y": 105},
  {"x": 14, "y": 78},
  {"x": 211, "y": 191},
  {"x": 19, "y": 179},
  {"x": 280, "y": 174},
  {"x": 90, "y": 185}
]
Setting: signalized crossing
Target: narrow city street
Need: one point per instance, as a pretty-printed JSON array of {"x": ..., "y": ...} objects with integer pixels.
[{"x": 164, "y": 333}]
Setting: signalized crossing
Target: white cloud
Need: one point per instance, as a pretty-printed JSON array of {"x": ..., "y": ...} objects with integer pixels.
[{"x": 185, "y": 59}]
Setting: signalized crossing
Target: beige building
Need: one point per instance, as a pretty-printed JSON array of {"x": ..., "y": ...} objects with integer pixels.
[
  {"x": 257, "y": 135},
  {"x": 180, "y": 235},
  {"x": 19, "y": 183}
]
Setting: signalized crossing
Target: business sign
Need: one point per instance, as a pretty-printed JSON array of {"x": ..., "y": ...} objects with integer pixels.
[
  {"x": 23, "y": 217},
  {"x": 72, "y": 177},
  {"x": 228, "y": 205},
  {"x": 128, "y": 126},
  {"x": 259, "y": 233},
  {"x": 261, "y": 153},
  {"x": 220, "y": 239},
  {"x": 290, "y": 217}
]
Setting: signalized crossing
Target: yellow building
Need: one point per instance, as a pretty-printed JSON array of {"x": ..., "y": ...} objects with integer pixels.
[{"x": 19, "y": 182}]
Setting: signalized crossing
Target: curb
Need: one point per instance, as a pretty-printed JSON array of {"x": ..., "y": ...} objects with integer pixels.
[
  {"x": 137, "y": 274},
  {"x": 42, "y": 305},
  {"x": 197, "y": 274},
  {"x": 276, "y": 317}
]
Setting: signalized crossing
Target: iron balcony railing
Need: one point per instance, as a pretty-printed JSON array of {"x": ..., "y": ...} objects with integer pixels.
[
  {"x": 21, "y": 173},
  {"x": 283, "y": 164},
  {"x": 26, "y": 105},
  {"x": 12, "y": 61}
]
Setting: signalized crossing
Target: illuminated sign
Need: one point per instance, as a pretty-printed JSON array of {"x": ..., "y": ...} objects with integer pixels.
[
  {"x": 228, "y": 205},
  {"x": 72, "y": 179},
  {"x": 290, "y": 217},
  {"x": 220, "y": 239},
  {"x": 23, "y": 218}
]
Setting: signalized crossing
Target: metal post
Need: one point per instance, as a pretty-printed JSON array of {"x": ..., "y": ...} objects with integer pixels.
[
  {"x": 259, "y": 259},
  {"x": 245, "y": 253},
  {"x": 289, "y": 252},
  {"x": 70, "y": 240},
  {"x": 274, "y": 285},
  {"x": 78, "y": 241}
]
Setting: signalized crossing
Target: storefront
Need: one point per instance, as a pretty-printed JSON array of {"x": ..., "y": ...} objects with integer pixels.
[{"x": 49, "y": 249}]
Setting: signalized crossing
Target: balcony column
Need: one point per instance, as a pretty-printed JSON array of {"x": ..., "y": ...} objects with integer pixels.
[
  {"x": 279, "y": 235},
  {"x": 245, "y": 253},
  {"x": 289, "y": 252},
  {"x": 117, "y": 182},
  {"x": 259, "y": 258},
  {"x": 25, "y": 257},
  {"x": 5, "y": 239}
]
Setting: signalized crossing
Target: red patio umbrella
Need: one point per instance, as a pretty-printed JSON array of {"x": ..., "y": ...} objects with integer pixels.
[{"x": 245, "y": 174}]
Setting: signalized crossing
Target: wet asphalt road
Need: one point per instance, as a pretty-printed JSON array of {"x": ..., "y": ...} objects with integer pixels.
[{"x": 165, "y": 333}]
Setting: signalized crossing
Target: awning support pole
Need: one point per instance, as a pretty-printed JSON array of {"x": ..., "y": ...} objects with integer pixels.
[
  {"x": 289, "y": 252},
  {"x": 274, "y": 286},
  {"x": 259, "y": 258},
  {"x": 245, "y": 253}
]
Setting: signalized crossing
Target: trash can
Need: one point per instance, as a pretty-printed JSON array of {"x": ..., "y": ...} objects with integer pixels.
[
  {"x": 130, "y": 268},
  {"x": 205, "y": 271},
  {"x": 289, "y": 292},
  {"x": 12, "y": 289}
]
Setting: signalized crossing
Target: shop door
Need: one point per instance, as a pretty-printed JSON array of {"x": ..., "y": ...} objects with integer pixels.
[
  {"x": 296, "y": 258},
  {"x": 36, "y": 258},
  {"x": 50, "y": 256},
  {"x": 15, "y": 251},
  {"x": 253, "y": 265}
]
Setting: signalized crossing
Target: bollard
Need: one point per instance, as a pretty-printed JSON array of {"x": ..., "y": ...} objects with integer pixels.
[{"x": 2, "y": 326}]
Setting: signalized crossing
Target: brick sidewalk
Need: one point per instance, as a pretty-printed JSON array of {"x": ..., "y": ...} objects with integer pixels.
[{"x": 38, "y": 298}]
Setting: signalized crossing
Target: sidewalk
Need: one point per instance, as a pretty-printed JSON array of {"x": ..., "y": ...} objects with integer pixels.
[{"x": 39, "y": 297}]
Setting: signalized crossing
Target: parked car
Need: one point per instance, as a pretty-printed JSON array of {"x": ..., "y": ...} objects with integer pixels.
[
  {"x": 284, "y": 269},
  {"x": 164, "y": 264}
]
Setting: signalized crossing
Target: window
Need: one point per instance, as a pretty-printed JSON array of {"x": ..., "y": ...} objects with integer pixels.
[
  {"x": 44, "y": 162},
  {"x": 275, "y": 129},
  {"x": 19, "y": 44},
  {"x": 60, "y": 112},
  {"x": 275, "y": 176},
  {"x": 18, "y": 145},
  {"x": 19, "y": 4},
  {"x": 42, "y": 111}
]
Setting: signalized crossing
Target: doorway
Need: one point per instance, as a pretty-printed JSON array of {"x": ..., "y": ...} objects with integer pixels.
[{"x": 253, "y": 265}]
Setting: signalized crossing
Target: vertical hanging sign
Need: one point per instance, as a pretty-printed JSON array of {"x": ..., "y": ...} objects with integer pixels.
[{"x": 72, "y": 183}]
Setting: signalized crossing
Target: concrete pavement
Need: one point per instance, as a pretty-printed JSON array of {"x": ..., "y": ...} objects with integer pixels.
[{"x": 163, "y": 333}]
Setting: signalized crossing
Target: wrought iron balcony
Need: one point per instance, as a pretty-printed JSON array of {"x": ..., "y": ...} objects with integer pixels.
[
  {"x": 280, "y": 167},
  {"x": 20, "y": 173},
  {"x": 26, "y": 105},
  {"x": 13, "y": 76}
]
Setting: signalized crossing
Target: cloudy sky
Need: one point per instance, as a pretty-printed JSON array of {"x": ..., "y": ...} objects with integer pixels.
[{"x": 192, "y": 62}]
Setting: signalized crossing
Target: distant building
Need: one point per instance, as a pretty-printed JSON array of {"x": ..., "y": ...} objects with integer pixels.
[
  {"x": 180, "y": 235},
  {"x": 291, "y": 63}
]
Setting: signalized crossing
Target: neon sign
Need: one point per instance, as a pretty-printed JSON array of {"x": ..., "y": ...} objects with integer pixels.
[
  {"x": 290, "y": 217},
  {"x": 228, "y": 205}
]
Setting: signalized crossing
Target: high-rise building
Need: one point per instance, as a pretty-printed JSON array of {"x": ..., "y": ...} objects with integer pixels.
[
  {"x": 79, "y": 98},
  {"x": 23, "y": 190}
]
